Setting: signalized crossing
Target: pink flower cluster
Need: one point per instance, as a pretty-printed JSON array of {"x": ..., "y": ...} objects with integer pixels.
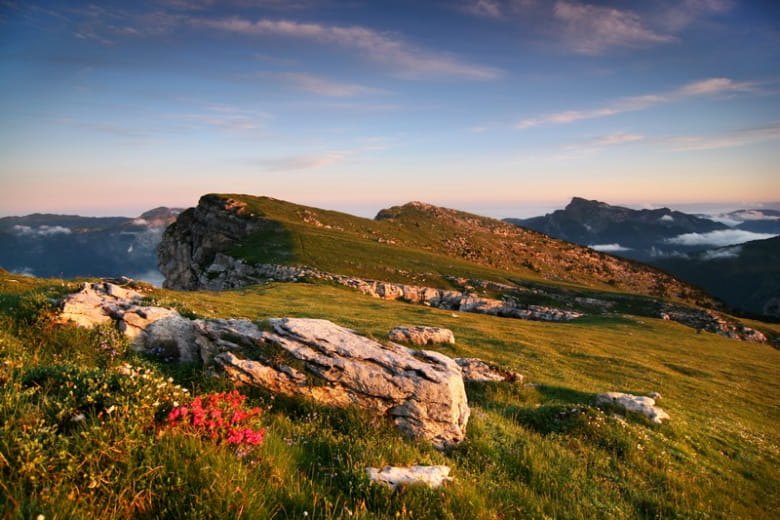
[{"x": 221, "y": 417}]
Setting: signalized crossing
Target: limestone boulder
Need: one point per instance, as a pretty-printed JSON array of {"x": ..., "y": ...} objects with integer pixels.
[
  {"x": 105, "y": 303},
  {"x": 420, "y": 335},
  {"x": 634, "y": 403},
  {"x": 421, "y": 391},
  {"x": 394, "y": 476}
]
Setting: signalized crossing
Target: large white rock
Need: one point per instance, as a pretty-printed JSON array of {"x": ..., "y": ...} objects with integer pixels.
[
  {"x": 105, "y": 303},
  {"x": 393, "y": 476},
  {"x": 422, "y": 391},
  {"x": 635, "y": 403}
]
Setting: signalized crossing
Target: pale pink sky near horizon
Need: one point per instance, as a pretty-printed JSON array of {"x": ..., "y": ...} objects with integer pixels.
[{"x": 118, "y": 107}]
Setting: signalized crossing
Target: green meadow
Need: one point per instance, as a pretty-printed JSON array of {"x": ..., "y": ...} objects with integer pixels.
[{"x": 80, "y": 438}]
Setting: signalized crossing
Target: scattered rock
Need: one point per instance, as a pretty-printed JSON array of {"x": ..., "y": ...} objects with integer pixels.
[
  {"x": 105, "y": 303},
  {"x": 634, "y": 403},
  {"x": 420, "y": 335},
  {"x": 710, "y": 321},
  {"x": 394, "y": 476},
  {"x": 477, "y": 371}
]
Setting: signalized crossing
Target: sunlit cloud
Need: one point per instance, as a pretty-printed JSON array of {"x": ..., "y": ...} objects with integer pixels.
[
  {"x": 303, "y": 162},
  {"x": 615, "y": 139},
  {"x": 716, "y": 86},
  {"x": 321, "y": 86},
  {"x": 407, "y": 60},
  {"x": 485, "y": 8},
  {"x": 706, "y": 87},
  {"x": 730, "y": 140},
  {"x": 609, "y": 248},
  {"x": 724, "y": 237},
  {"x": 590, "y": 29}
]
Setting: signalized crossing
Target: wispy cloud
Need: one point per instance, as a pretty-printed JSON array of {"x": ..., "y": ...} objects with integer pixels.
[
  {"x": 706, "y": 87},
  {"x": 485, "y": 8},
  {"x": 407, "y": 60},
  {"x": 731, "y": 140},
  {"x": 304, "y": 162},
  {"x": 225, "y": 117},
  {"x": 615, "y": 139},
  {"x": 585, "y": 28},
  {"x": 590, "y": 29},
  {"x": 319, "y": 85},
  {"x": 716, "y": 86}
]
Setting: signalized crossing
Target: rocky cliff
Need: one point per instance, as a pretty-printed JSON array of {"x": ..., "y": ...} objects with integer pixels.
[{"x": 189, "y": 245}]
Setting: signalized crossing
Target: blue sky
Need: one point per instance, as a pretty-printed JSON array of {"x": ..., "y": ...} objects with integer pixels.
[{"x": 502, "y": 107}]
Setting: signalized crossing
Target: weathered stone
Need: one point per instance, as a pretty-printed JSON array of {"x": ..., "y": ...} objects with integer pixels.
[
  {"x": 394, "y": 476},
  {"x": 711, "y": 321},
  {"x": 420, "y": 335},
  {"x": 421, "y": 391},
  {"x": 105, "y": 303},
  {"x": 477, "y": 371},
  {"x": 634, "y": 403}
]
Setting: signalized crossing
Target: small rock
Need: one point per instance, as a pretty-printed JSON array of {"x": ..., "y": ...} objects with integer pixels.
[
  {"x": 422, "y": 335},
  {"x": 393, "y": 476},
  {"x": 477, "y": 371},
  {"x": 634, "y": 403}
]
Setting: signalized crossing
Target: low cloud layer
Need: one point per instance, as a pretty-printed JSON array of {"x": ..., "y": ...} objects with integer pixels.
[
  {"x": 41, "y": 230},
  {"x": 609, "y": 248},
  {"x": 720, "y": 238},
  {"x": 722, "y": 254}
]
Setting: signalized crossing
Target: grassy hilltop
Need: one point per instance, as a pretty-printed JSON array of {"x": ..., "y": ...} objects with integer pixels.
[{"x": 82, "y": 435}]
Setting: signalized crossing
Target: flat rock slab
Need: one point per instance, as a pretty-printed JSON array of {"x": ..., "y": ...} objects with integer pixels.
[
  {"x": 394, "y": 476},
  {"x": 635, "y": 403},
  {"x": 420, "y": 335}
]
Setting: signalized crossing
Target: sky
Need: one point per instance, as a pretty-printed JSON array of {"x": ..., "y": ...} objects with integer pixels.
[{"x": 506, "y": 108}]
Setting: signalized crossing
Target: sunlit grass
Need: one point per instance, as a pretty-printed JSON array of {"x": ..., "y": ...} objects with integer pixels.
[{"x": 542, "y": 451}]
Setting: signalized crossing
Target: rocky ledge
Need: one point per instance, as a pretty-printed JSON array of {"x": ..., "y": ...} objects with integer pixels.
[{"x": 226, "y": 272}]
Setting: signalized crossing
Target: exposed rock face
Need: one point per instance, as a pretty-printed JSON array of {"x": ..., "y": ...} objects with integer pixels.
[
  {"x": 105, "y": 303},
  {"x": 421, "y": 391},
  {"x": 477, "y": 371},
  {"x": 635, "y": 403},
  {"x": 190, "y": 244},
  {"x": 709, "y": 321},
  {"x": 420, "y": 335},
  {"x": 226, "y": 272},
  {"x": 394, "y": 476}
]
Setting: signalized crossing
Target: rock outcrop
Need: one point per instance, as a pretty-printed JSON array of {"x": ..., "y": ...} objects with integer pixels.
[
  {"x": 226, "y": 272},
  {"x": 420, "y": 335},
  {"x": 710, "y": 321},
  {"x": 634, "y": 403},
  {"x": 394, "y": 476},
  {"x": 191, "y": 243},
  {"x": 421, "y": 391},
  {"x": 106, "y": 303},
  {"x": 477, "y": 371}
]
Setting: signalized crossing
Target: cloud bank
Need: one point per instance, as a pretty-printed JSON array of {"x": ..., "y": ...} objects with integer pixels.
[
  {"x": 609, "y": 248},
  {"x": 720, "y": 238}
]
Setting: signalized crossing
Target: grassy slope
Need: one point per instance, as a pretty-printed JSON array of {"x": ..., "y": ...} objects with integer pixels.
[
  {"x": 528, "y": 454},
  {"x": 422, "y": 244}
]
